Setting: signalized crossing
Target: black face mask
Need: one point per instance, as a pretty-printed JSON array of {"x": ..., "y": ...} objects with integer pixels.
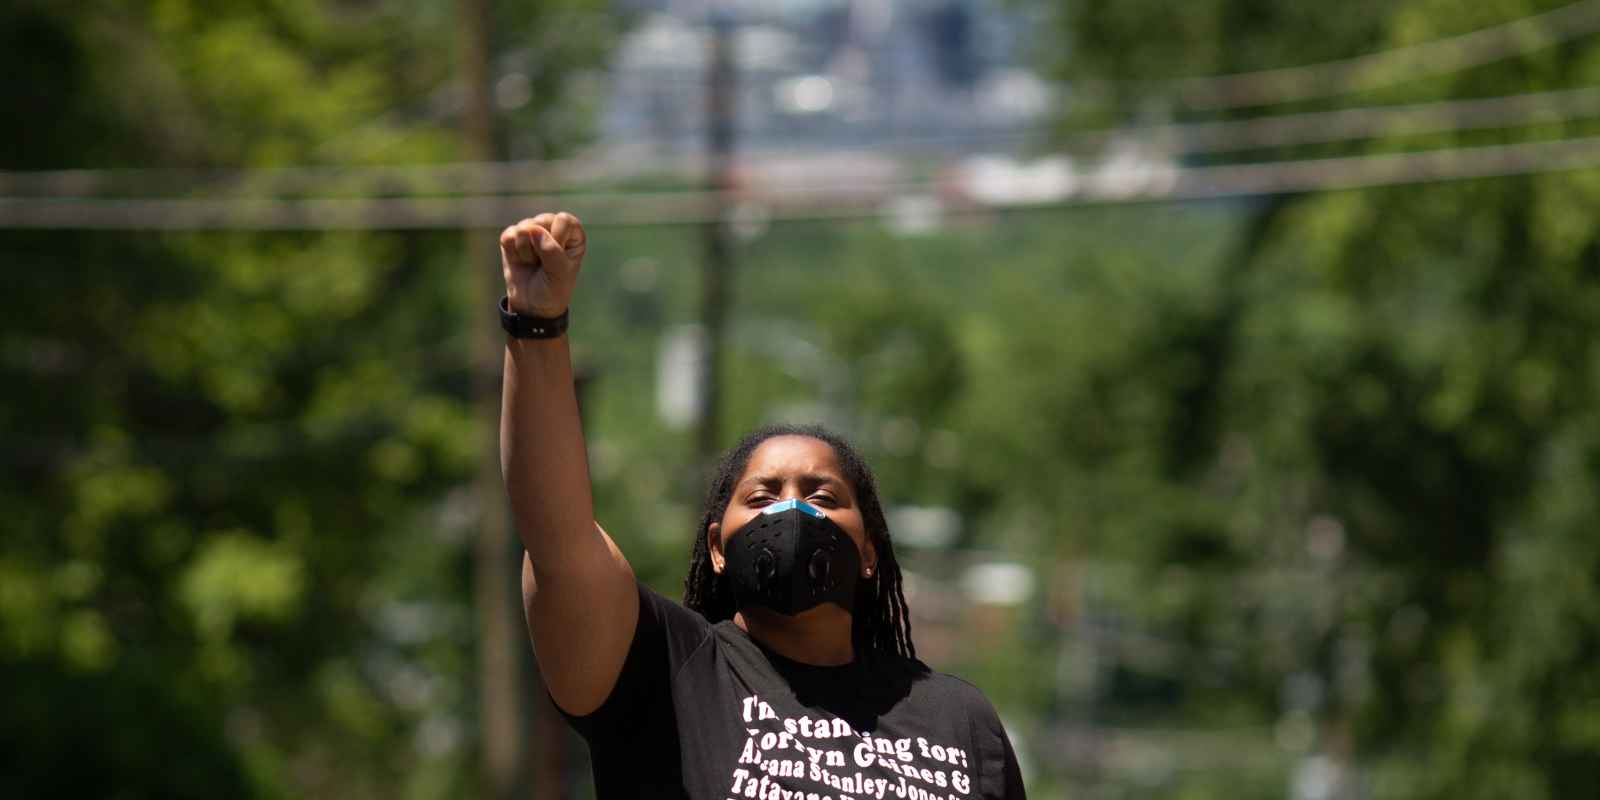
[{"x": 791, "y": 558}]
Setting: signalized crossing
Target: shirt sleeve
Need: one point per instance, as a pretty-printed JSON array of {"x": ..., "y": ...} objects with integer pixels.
[
  {"x": 1011, "y": 782},
  {"x": 1002, "y": 774},
  {"x": 663, "y": 638}
]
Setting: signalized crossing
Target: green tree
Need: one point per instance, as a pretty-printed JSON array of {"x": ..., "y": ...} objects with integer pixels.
[
  {"x": 1363, "y": 451},
  {"x": 234, "y": 558}
]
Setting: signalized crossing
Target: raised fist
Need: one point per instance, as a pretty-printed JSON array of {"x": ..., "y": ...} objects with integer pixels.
[{"x": 541, "y": 256}]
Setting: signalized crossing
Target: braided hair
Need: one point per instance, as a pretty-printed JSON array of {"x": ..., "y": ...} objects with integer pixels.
[{"x": 881, "y": 623}]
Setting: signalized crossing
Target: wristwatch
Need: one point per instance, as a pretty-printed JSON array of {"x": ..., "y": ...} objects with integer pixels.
[{"x": 523, "y": 327}]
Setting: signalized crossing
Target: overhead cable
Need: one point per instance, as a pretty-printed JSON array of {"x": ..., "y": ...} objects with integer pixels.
[
  {"x": 1323, "y": 127},
  {"x": 1111, "y": 183},
  {"x": 556, "y": 177},
  {"x": 1385, "y": 68}
]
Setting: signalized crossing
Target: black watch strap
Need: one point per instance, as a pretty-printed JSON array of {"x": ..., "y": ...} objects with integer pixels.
[{"x": 523, "y": 327}]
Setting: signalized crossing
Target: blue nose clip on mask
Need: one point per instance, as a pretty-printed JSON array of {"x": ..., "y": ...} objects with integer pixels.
[{"x": 792, "y": 558}]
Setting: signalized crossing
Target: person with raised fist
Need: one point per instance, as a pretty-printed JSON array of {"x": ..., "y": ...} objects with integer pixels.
[{"x": 788, "y": 671}]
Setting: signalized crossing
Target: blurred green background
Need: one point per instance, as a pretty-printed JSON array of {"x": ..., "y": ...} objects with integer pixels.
[{"x": 1266, "y": 494}]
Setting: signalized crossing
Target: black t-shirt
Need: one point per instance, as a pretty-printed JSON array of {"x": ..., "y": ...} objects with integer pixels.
[{"x": 702, "y": 711}]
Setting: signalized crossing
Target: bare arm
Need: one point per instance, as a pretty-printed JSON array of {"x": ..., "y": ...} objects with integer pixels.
[{"x": 578, "y": 590}]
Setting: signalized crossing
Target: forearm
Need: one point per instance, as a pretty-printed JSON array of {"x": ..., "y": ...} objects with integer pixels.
[
  {"x": 578, "y": 591},
  {"x": 543, "y": 458}
]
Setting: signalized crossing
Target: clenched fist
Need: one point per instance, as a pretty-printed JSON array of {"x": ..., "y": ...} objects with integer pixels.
[{"x": 541, "y": 256}]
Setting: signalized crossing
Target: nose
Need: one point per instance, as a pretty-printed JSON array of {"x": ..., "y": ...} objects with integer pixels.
[{"x": 800, "y": 497}]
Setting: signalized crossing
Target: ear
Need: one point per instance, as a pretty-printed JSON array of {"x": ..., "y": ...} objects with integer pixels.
[
  {"x": 714, "y": 546},
  {"x": 869, "y": 560}
]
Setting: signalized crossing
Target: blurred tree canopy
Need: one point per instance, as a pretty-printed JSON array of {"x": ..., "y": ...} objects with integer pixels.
[
  {"x": 1359, "y": 457},
  {"x": 233, "y": 558}
]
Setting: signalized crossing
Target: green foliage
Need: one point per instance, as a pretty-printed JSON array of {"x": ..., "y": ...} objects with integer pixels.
[
  {"x": 1383, "y": 425},
  {"x": 234, "y": 556}
]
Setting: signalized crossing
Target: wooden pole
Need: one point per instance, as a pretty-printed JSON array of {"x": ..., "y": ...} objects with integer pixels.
[
  {"x": 495, "y": 574},
  {"x": 717, "y": 273}
]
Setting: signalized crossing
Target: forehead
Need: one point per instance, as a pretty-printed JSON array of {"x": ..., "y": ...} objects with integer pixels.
[{"x": 792, "y": 455}]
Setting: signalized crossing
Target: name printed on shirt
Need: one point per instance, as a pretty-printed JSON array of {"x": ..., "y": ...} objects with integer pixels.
[{"x": 823, "y": 758}]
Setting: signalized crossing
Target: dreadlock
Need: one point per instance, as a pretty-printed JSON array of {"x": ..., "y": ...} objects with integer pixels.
[{"x": 881, "y": 623}]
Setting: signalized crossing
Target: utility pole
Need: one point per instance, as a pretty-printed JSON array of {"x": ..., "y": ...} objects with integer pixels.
[
  {"x": 496, "y": 576},
  {"x": 717, "y": 273}
]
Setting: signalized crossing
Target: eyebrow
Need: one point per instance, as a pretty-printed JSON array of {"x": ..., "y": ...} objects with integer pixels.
[{"x": 810, "y": 478}]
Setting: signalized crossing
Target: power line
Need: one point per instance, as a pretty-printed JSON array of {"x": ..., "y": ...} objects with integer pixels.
[
  {"x": 1358, "y": 73},
  {"x": 1264, "y": 87},
  {"x": 1322, "y": 127},
  {"x": 1354, "y": 172},
  {"x": 1112, "y": 184},
  {"x": 1376, "y": 70},
  {"x": 559, "y": 177},
  {"x": 487, "y": 177}
]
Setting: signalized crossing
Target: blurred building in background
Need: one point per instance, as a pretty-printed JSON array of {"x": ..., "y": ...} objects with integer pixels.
[{"x": 925, "y": 76}]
